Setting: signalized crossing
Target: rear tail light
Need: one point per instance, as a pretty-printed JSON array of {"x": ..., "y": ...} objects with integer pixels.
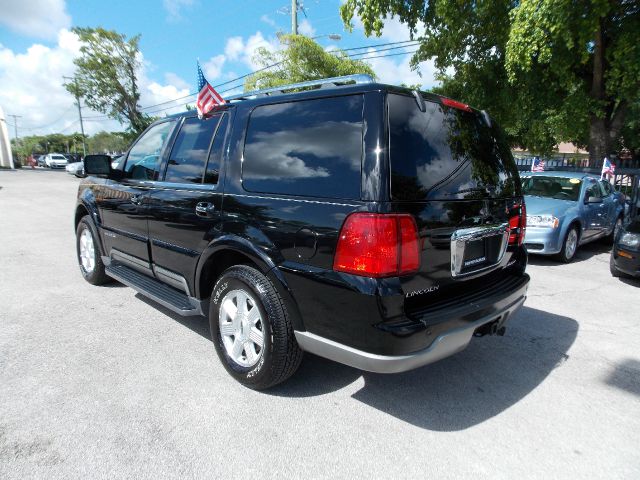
[
  {"x": 517, "y": 224},
  {"x": 378, "y": 245}
]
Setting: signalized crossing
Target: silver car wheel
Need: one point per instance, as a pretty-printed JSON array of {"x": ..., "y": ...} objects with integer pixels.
[
  {"x": 571, "y": 244},
  {"x": 241, "y": 328},
  {"x": 87, "y": 251}
]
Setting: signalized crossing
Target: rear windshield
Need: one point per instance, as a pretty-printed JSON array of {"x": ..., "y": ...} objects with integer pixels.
[
  {"x": 446, "y": 153},
  {"x": 552, "y": 187}
]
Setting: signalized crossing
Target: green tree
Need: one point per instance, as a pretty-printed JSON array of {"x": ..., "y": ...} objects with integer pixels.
[
  {"x": 108, "y": 142},
  {"x": 302, "y": 60},
  {"x": 547, "y": 70},
  {"x": 106, "y": 75}
]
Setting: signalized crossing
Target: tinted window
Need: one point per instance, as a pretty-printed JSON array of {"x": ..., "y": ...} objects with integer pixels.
[
  {"x": 143, "y": 160},
  {"x": 606, "y": 188},
  {"x": 189, "y": 153},
  {"x": 446, "y": 153},
  {"x": 311, "y": 147},
  {"x": 216, "y": 153},
  {"x": 593, "y": 190}
]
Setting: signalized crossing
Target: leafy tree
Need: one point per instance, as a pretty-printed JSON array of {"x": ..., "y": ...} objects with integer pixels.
[
  {"x": 108, "y": 142},
  {"x": 302, "y": 60},
  {"x": 106, "y": 75},
  {"x": 547, "y": 70}
]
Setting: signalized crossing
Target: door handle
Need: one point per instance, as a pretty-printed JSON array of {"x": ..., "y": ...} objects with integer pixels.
[
  {"x": 136, "y": 199},
  {"x": 205, "y": 209}
]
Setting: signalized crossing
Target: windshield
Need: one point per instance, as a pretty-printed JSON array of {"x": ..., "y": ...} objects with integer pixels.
[
  {"x": 552, "y": 187},
  {"x": 58, "y": 157}
]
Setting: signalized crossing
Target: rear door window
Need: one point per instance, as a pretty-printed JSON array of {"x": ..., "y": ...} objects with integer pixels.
[
  {"x": 309, "y": 147},
  {"x": 190, "y": 150},
  {"x": 446, "y": 153}
]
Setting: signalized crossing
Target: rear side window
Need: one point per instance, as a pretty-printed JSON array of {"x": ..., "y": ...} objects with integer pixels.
[
  {"x": 446, "y": 153},
  {"x": 310, "y": 148},
  {"x": 190, "y": 150}
]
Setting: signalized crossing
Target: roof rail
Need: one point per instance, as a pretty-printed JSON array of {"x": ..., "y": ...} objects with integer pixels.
[{"x": 322, "y": 83}]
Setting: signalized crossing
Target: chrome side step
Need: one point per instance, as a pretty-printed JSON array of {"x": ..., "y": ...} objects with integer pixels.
[{"x": 157, "y": 291}]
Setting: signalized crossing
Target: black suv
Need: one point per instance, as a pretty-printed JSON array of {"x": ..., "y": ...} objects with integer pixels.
[{"x": 370, "y": 224}]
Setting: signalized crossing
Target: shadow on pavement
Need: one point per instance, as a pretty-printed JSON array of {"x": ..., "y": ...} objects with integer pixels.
[
  {"x": 197, "y": 324},
  {"x": 626, "y": 376},
  {"x": 491, "y": 375},
  {"x": 584, "y": 253}
]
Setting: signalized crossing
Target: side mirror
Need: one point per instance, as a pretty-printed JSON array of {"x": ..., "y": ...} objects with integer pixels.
[
  {"x": 594, "y": 200},
  {"x": 97, "y": 165}
]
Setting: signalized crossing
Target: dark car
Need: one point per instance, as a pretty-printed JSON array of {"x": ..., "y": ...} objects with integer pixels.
[
  {"x": 373, "y": 225},
  {"x": 625, "y": 255}
]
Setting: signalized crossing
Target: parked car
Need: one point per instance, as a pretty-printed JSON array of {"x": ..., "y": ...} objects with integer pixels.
[
  {"x": 300, "y": 221},
  {"x": 568, "y": 209},
  {"x": 40, "y": 161},
  {"x": 625, "y": 255},
  {"x": 76, "y": 168},
  {"x": 55, "y": 160}
]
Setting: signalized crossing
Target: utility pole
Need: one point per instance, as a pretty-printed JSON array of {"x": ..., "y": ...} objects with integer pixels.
[
  {"x": 15, "y": 125},
  {"x": 294, "y": 17},
  {"x": 77, "y": 95}
]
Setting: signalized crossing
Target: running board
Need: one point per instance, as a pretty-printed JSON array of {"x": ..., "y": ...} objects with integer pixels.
[{"x": 159, "y": 292}]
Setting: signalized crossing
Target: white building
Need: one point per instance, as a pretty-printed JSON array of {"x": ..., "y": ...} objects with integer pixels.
[{"x": 6, "y": 159}]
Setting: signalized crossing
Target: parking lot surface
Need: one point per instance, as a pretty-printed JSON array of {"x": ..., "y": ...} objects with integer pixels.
[{"x": 98, "y": 382}]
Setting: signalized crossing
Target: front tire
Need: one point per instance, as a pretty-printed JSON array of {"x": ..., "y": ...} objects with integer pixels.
[
  {"x": 570, "y": 245},
  {"x": 252, "y": 330},
  {"x": 88, "y": 253}
]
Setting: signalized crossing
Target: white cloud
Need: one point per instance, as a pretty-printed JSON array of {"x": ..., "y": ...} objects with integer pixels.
[
  {"x": 396, "y": 69},
  {"x": 268, "y": 20},
  {"x": 237, "y": 49},
  {"x": 305, "y": 28},
  {"x": 35, "y": 18},
  {"x": 174, "y": 79},
  {"x": 213, "y": 67},
  {"x": 31, "y": 85},
  {"x": 174, "y": 8}
]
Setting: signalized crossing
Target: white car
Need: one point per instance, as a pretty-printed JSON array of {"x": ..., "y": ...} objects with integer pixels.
[
  {"x": 75, "y": 168},
  {"x": 55, "y": 160}
]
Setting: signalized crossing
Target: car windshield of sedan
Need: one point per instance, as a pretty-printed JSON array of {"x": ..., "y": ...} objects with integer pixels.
[{"x": 552, "y": 187}]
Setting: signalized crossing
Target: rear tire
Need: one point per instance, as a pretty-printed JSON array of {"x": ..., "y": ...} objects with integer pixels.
[
  {"x": 570, "y": 245},
  {"x": 88, "y": 253},
  {"x": 252, "y": 330}
]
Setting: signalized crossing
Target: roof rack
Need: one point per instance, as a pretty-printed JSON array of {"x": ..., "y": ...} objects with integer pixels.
[{"x": 357, "y": 79}]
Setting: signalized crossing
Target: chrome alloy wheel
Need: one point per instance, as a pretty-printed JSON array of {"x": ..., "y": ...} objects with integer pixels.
[
  {"x": 87, "y": 251},
  {"x": 241, "y": 328},
  {"x": 571, "y": 243}
]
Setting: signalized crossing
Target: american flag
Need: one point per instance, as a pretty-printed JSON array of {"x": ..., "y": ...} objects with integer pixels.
[
  {"x": 608, "y": 168},
  {"x": 208, "y": 98},
  {"x": 537, "y": 165}
]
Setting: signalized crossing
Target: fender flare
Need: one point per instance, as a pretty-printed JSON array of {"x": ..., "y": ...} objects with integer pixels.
[
  {"x": 265, "y": 264},
  {"x": 86, "y": 200}
]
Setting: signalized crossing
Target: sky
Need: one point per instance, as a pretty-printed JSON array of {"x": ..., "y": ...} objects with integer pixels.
[{"x": 37, "y": 49}]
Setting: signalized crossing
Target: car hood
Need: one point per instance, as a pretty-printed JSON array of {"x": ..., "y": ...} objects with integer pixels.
[{"x": 547, "y": 206}]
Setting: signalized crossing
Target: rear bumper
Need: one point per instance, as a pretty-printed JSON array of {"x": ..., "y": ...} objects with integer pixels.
[
  {"x": 543, "y": 241},
  {"x": 444, "y": 345}
]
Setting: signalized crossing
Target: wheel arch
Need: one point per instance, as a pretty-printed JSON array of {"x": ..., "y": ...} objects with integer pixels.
[{"x": 230, "y": 250}]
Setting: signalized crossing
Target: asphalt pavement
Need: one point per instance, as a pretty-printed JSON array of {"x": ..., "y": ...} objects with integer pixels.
[{"x": 98, "y": 382}]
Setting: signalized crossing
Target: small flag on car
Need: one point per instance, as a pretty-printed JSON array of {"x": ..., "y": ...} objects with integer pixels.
[
  {"x": 608, "y": 168},
  {"x": 208, "y": 98},
  {"x": 537, "y": 165}
]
